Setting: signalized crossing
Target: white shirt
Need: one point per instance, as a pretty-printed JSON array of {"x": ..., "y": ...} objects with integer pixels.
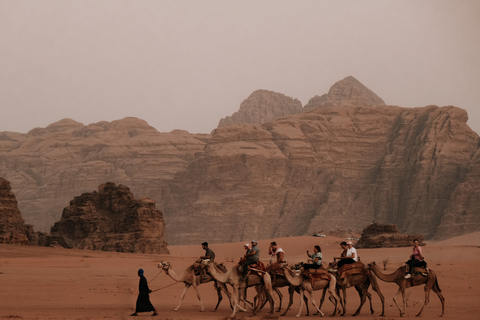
[{"x": 350, "y": 253}]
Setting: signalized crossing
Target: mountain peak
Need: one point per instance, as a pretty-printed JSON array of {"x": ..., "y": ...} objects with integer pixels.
[{"x": 346, "y": 92}]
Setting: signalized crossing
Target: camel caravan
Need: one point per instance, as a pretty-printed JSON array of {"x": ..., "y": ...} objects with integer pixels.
[{"x": 344, "y": 272}]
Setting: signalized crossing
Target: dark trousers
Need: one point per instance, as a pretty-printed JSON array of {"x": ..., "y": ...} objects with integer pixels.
[
  {"x": 415, "y": 263},
  {"x": 345, "y": 261},
  {"x": 310, "y": 266}
]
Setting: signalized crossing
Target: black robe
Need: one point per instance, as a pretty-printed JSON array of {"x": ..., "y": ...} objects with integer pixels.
[{"x": 143, "y": 300}]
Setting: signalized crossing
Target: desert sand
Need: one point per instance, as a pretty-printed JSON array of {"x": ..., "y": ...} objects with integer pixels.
[{"x": 57, "y": 283}]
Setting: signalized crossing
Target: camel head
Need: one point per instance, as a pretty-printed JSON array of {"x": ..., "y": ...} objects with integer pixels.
[
  {"x": 165, "y": 265},
  {"x": 371, "y": 265}
]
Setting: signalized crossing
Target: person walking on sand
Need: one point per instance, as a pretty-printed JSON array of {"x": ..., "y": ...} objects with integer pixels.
[{"x": 143, "y": 301}]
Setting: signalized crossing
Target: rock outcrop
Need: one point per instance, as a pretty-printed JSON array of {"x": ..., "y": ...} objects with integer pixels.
[
  {"x": 386, "y": 236},
  {"x": 263, "y": 106},
  {"x": 346, "y": 160},
  {"x": 13, "y": 229},
  {"x": 111, "y": 220}
]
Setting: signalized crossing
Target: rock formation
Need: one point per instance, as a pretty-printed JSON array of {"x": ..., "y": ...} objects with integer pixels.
[
  {"x": 263, "y": 106},
  {"x": 13, "y": 229},
  {"x": 346, "y": 92},
  {"x": 386, "y": 236},
  {"x": 346, "y": 160},
  {"x": 111, "y": 220}
]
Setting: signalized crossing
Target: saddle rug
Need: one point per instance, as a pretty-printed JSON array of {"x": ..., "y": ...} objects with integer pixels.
[{"x": 352, "y": 268}]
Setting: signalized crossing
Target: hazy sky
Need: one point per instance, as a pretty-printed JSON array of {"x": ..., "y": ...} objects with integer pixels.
[{"x": 187, "y": 64}]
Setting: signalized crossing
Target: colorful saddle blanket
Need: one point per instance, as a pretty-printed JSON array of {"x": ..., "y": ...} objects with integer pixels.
[
  {"x": 319, "y": 274},
  {"x": 352, "y": 268}
]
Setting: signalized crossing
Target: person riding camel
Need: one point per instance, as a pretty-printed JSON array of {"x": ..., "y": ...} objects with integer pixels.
[
  {"x": 209, "y": 255},
  {"x": 416, "y": 260},
  {"x": 349, "y": 254},
  {"x": 252, "y": 256},
  {"x": 276, "y": 253}
]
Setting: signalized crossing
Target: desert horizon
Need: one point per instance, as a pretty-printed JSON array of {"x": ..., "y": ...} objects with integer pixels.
[{"x": 58, "y": 283}]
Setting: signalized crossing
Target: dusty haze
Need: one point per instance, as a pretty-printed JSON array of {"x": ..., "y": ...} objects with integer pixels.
[{"x": 187, "y": 64}]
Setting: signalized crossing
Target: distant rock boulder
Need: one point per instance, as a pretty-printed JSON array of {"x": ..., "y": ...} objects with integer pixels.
[
  {"x": 385, "y": 236},
  {"x": 111, "y": 220}
]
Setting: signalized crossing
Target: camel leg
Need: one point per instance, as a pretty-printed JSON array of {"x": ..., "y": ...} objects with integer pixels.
[
  {"x": 219, "y": 297},
  {"x": 301, "y": 303},
  {"x": 199, "y": 298},
  {"x": 291, "y": 291},
  {"x": 310, "y": 295},
  {"x": 332, "y": 289},
  {"x": 402, "y": 292},
  {"x": 363, "y": 293},
  {"x": 427, "y": 298},
  {"x": 376, "y": 288},
  {"x": 182, "y": 296},
  {"x": 437, "y": 290},
  {"x": 280, "y": 298},
  {"x": 222, "y": 287}
]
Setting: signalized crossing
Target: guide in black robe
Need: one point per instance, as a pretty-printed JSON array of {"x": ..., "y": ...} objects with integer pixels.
[{"x": 143, "y": 300}]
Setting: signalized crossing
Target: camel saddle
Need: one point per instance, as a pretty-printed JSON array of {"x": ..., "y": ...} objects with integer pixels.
[
  {"x": 352, "y": 268},
  {"x": 257, "y": 268},
  {"x": 316, "y": 274},
  {"x": 423, "y": 271}
]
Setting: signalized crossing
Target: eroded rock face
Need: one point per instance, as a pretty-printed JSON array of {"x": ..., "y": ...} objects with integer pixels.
[
  {"x": 326, "y": 169},
  {"x": 12, "y": 227},
  {"x": 49, "y": 166},
  {"x": 111, "y": 220},
  {"x": 263, "y": 106},
  {"x": 386, "y": 236}
]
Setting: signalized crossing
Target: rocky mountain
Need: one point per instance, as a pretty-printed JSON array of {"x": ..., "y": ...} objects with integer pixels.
[
  {"x": 262, "y": 106},
  {"x": 111, "y": 220},
  {"x": 13, "y": 229},
  {"x": 345, "y": 160}
]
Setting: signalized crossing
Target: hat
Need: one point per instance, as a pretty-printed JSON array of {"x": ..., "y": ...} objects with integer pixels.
[
  {"x": 349, "y": 242},
  {"x": 254, "y": 241},
  {"x": 140, "y": 271}
]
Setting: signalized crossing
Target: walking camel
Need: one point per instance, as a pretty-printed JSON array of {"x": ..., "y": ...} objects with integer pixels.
[
  {"x": 189, "y": 278},
  {"x": 305, "y": 285},
  {"x": 398, "y": 277},
  {"x": 361, "y": 282},
  {"x": 235, "y": 280}
]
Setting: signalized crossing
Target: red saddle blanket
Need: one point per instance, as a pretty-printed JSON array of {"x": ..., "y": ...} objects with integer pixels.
[{"x": 352, "y": 268}]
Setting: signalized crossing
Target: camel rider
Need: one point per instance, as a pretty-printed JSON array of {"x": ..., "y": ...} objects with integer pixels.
[
  {"x": 416, "y": 260},
  {"x": 210, "y": 255},
  {"x": 252, "y": 256},
  {"x": 276, "y": 253},
  {"x": 350, "y": 256}
]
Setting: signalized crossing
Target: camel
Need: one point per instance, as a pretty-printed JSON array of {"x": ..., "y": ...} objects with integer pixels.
[
  {"x": 398, "y": 277},
  {"x": 361, "y": 282},
  {"x": 189, "y": 278},
  {"x": 305, "y": 285},
  {"x": 235, "y": 280}
]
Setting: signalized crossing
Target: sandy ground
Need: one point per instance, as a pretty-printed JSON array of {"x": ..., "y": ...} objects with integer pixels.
[{"x": 57, "y": 283}]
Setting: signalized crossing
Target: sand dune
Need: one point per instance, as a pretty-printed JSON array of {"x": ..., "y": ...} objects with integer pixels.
[{"x": 58, "y": 283}]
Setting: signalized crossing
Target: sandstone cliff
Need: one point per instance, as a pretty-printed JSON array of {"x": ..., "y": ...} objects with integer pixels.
[
  {"x": 13, "y": 229},
  {"x": 345, "y": 161},
  {"x": 111, "y": 220},
  {"x": 325, "y": 169}
]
